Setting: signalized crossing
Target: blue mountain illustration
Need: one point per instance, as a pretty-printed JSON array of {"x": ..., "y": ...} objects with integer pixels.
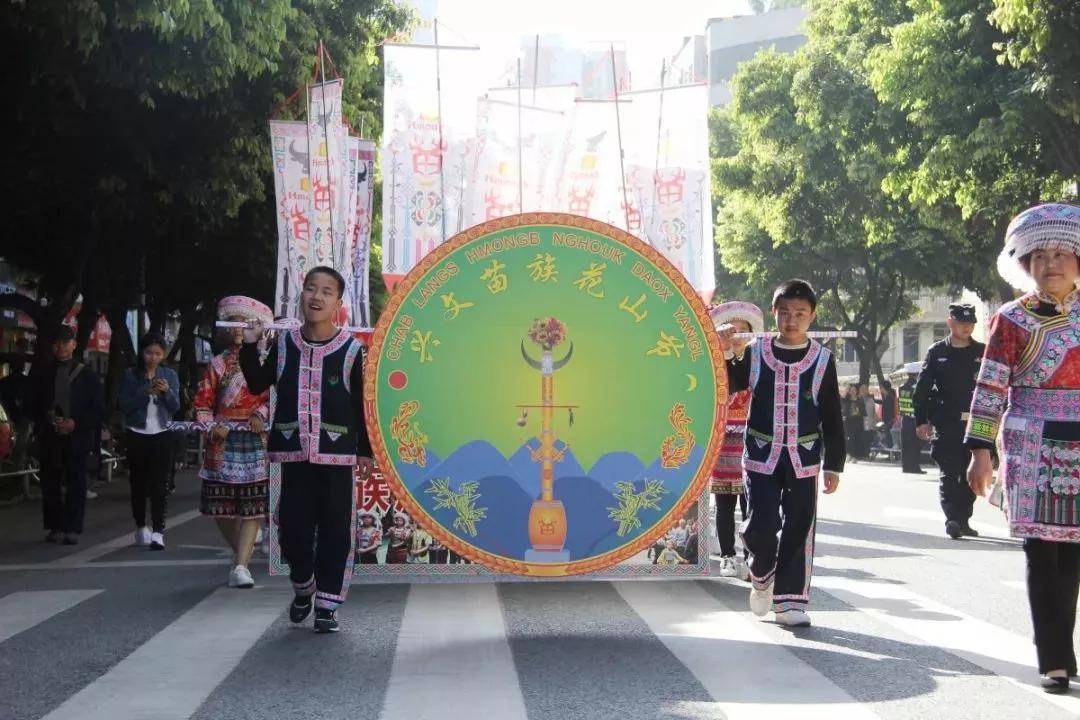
[
  {"x": 678, "y": 477},
  {"x": 472, "y": 461},
  {"x": 527, "y": 471},
  {"x": 412, "y": 474},
  {"x": 505, "y": 530},
  {"x": 616, "y": 467},
  {"x": 587, "y": 520}
]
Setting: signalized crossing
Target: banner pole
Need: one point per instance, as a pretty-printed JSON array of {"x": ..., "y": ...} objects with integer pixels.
[
  {"x": 521, "y": 169},
  {"x": 536, "y": 66},
  {"x": 438, "y": 102},
  {"x": 326, "y": 140},
  {"x": 618, "y": 129},
  {"x": 659, "y": 133}
]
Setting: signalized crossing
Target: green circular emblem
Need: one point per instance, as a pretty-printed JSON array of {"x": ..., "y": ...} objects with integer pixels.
[{"x": 545, "y": 394}]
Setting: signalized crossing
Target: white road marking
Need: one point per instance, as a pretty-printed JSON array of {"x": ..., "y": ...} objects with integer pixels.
[
  {"x": 172, "y": 674},
  {"x": 23, "y": 610},
  {"x": 453, "y": 659},
  {"x": 699, "y": 630}
]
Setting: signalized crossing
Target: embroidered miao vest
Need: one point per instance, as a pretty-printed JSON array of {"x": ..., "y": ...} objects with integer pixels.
[
  {"x": 315, "y": 419},
  {"x": 784, "y": 410}
]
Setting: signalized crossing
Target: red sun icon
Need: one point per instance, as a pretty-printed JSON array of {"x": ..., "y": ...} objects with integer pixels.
[{"x": 398, "y": 380}]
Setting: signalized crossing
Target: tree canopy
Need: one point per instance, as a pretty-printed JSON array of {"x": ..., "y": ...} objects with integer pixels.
[
  {"x": 140, "y": 138},
  {"x": 889, "y": 153}
]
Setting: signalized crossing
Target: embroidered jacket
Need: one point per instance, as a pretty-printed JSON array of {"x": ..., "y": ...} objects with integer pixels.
[
  {"x": 1028, "y": 394},
  {"x": 223, "y": 394},
  {"x": 319, "y": 417},
  {"x": 794, "y": 410}
]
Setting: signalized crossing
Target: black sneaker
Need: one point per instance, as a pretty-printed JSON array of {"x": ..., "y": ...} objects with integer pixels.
[
  {"x": 325, "y": 621},
  {"x": 954, "y": 530},
  {"x": 300, "y": 608},
  {"x": 54, "y": 536},
  {"x": 1055, "y": 685},
  {"x": 71, "y": 539},
  {"x": 968, "y": 531}
]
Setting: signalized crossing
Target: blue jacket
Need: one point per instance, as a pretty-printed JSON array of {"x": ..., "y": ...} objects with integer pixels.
[{"x": 133, "y": 397}]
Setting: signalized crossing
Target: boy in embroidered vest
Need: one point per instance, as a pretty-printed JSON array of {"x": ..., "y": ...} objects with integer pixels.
[
  {"x": 318, "y": 435},
  {"x": 794, "y": 417}
]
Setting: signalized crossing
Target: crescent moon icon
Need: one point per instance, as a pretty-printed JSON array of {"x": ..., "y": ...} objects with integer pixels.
[{"x": 693, "y": 383}]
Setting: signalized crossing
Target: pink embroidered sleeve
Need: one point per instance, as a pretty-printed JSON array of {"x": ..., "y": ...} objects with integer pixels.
[{"x": 992, "y": 387}]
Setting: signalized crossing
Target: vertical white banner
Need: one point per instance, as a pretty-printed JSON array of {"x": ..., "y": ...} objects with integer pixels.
[
  {"x": 361, "y": 237},
  {"x": 292, "y": 191},
  {"x": 666, "y": 138},
  {"x": 425, "y": 147}
]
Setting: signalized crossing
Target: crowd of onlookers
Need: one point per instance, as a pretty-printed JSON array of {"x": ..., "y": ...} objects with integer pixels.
[{"x": 870, "y": 418}]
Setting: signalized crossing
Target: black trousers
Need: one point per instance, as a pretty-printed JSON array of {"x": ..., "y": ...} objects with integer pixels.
[
  {"x": 149, "y": 460},
  {"x": 63, "y": 484},
  {"x": 782, "y": 504},
  {"x": 315, "y": 518},
  {"x": 725, "y": 520},
  {"x": 952, "y": 457},
  {"x": 1053, "y": 576},
  {"x": 910, "y": 446}
]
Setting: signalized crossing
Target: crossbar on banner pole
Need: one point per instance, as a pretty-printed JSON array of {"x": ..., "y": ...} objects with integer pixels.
[
  {"x": 816, "y": 334},
  {"x": 285, "y": 325}
]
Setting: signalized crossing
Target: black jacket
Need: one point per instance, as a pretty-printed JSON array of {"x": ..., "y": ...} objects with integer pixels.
[
  {"x": 87, "y": 403},
  {"x": 946, "y": 382}
]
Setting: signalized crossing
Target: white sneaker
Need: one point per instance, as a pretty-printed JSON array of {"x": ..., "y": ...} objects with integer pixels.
[
  {"x": 142, "y": 536},
  {"x": 727, "y": 567},
  {"x": 240, "y": 577},
  {"x": 761, "y": 600},
  {"x": 793, "y": 618},
  {"x": 157, "y": 541},
  {"x": 90, "y": 494},
  {"x": 742, "y": 570}
]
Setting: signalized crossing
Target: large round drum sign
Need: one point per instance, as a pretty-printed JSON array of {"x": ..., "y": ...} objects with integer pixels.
[{"x": 545, "y": 394}]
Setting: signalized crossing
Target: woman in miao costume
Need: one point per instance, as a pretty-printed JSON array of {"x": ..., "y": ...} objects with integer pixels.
[
  {"x": 1032, "y": 367},
  {"x": 727, "y": 475},
  {"x": 397, "y": 551},
  {"x": 235, "y": 471}
]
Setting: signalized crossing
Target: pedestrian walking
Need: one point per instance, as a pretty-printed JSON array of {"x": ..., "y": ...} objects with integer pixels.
[
  {"x": 66, "y": 405},
  {"x": 854, "y": 411},
  {"x": 910, "y": 445},
  {"x": 235, "y": 472},
  {"x": 149, "y": 398},
  {"x": 794, "y": 431},
  {"x": 1032, "y": 367},
  {"x": 942, "y": 398},
  {"x": 319, "y": 437},
  {"x": 727, "y": 476}
]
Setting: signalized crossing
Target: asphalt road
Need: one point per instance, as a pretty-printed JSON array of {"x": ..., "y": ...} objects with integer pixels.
[{"x": 907, "y": 624}]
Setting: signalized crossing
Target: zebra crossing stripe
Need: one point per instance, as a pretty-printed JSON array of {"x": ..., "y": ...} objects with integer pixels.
[
  {"x": 977, "y": 641},
  {"x": 453, "y": 660},
  {"x": 699, "y": 630},
  {"x": 169, "y": 676},
  {"x": 21, "y": 611}
]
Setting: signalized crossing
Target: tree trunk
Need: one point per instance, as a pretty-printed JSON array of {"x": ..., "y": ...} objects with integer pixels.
[{"x": 121, "y": 355}]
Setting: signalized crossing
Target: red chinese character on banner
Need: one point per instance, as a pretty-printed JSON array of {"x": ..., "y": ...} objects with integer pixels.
[
  {"x": 670, "y": 190},
  {"x": 373, "y": 494},
  {"x": 301, "y": 226},
  {"x": 321, "y": 195}
]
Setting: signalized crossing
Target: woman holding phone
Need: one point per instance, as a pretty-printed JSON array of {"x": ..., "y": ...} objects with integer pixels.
[{"x": 149, "y": 397}]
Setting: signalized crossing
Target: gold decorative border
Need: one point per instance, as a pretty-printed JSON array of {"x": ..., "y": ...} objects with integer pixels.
[{"x": 416, "y": 511}]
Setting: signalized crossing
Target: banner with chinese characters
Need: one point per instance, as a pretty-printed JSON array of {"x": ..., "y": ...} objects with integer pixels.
[
  {"x": 666, "y": 137},
  {"x": 427, "y": 135},
  {"x": 569, "y": 464}
]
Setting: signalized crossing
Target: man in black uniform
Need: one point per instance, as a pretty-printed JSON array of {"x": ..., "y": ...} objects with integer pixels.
[
  {"x": 910, "y": 445},
  {"x": 942, "y": 398}
]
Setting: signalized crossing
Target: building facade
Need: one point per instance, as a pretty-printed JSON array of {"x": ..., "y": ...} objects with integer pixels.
[{"x": 732, "y": 40}]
